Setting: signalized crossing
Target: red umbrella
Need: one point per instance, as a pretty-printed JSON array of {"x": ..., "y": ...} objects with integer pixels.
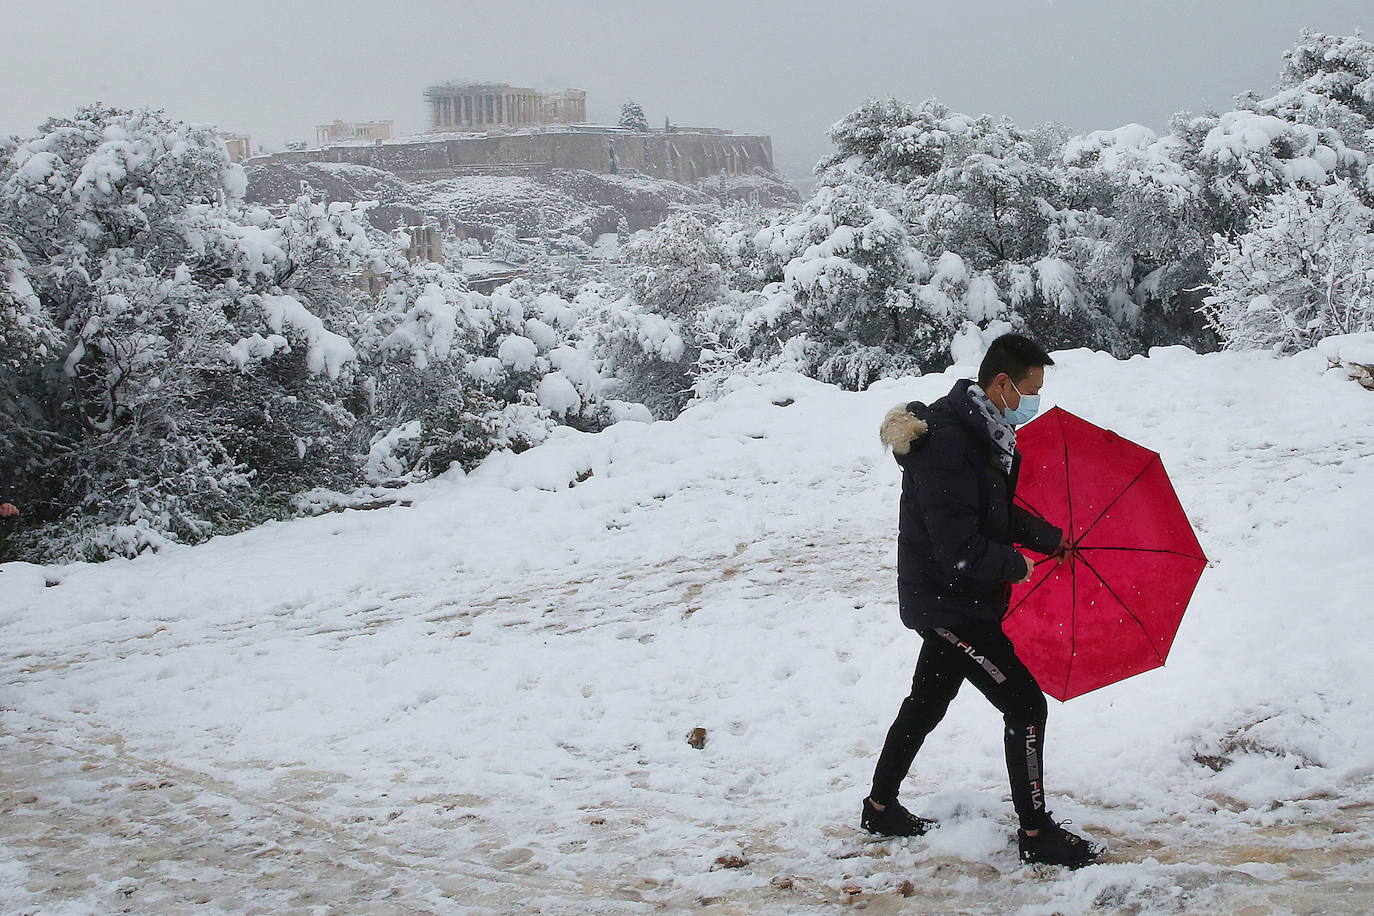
[{"x": 1113, "y": 610}]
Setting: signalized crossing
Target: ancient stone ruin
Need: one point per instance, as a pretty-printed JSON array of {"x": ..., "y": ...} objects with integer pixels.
[
  {"x": 495, "y": 128},
  {"x": 484, "y": 106}
]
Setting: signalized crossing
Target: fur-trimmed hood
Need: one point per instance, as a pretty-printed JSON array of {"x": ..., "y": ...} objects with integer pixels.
[
  {"x": 906, "y": 424},
  {"x": 901, "y": 427}
]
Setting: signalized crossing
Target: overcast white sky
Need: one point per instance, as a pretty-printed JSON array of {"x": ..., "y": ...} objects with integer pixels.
[{"x": 275, "y": 68}]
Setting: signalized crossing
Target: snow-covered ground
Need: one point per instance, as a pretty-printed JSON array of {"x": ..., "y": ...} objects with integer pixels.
[{"x": 480, "y": 702}]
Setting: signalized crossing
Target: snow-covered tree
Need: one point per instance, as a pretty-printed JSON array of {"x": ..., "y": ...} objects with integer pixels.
[
  {"x": 178, "y": 363},
  {"x": 1135, "y": 224},
  {"x": 647, "y": 333},
  {"x": 632, "y": 117},
  {"x": 1304, "y": 271},
  {"x": 989, "y": 200},
  {"x": 889, "y": 140},
  {"x": 849, "y": 286},
  {"x": 1327, "y": 81},
  {"x": 163, "y": 295}
]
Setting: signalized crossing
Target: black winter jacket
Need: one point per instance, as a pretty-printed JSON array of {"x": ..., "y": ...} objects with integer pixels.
[{"x": 955, "y": 559}]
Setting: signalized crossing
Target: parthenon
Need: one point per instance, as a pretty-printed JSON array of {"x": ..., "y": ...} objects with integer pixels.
[{"x": 491, "y": 106}]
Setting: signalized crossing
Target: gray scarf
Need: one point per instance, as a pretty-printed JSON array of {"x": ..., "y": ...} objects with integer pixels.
[{"x": 1003, "y": 433}]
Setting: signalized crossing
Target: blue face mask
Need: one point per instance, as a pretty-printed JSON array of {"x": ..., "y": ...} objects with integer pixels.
[{"x": 1025, "y": 411}]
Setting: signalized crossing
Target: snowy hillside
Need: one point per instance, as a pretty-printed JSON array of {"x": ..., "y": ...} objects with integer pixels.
[
  {"x": 567, "y": 200},
  {"x": 482, "y": 699}
]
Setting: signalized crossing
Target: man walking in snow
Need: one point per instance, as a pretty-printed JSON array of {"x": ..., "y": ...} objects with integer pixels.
[{"x": 956, "y": 564}]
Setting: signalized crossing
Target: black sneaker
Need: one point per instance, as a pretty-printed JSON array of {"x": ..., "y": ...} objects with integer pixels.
[
  {"x": 1054, "y": 845},
  {"x": 893, "y": 820}
]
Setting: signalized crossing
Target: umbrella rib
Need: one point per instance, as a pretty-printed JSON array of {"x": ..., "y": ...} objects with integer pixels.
[
  {"x": 1034, "y": 511},
  {"x": 1043, "y": 579},
  {"x": 1068, "y": 493},
  {"x": 1176, "y": 553},
  {"x": 1073, "y": 567},
  {"x": 1073, "y": 625},
  {"x": 1108, "y": 586},
  {"x": 1115, "y": 498}
]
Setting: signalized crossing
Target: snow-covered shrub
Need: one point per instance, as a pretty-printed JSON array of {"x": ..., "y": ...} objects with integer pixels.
[
  {"x": 118, "y": 221},
  {"x": 998, "y": 202},
  {"x": 479, "y": 372},
  {"x": 1304, "y": 271},
  {"x": 178, "y": 363},
  {"x": 841, "y": 289},
  {"x": 646, "y": 332}
]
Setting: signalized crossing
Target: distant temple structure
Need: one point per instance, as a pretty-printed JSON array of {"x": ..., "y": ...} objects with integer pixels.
[
  {"x": 239, "y": 145},
  {"x": 497, "y": 129},
  {"x": 494, "y": 106},
  {"x": 339, "y": 131}
]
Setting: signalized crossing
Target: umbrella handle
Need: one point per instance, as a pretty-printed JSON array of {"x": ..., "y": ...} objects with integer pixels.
[{"x": 1060, "y": 556}]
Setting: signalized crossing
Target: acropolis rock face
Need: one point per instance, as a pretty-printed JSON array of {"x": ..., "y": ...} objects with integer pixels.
[
  {"x": 522, "y": 145},
  {"x": 684, "y": 155}
]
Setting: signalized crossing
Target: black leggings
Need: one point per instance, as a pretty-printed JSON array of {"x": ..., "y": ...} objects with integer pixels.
[{"x": 980, "y": 653}]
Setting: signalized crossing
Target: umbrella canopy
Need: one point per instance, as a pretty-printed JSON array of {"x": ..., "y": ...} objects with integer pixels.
[{"x": 1113, "y": 610}]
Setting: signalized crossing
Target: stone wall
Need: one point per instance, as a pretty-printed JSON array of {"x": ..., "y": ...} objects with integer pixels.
[{"x": 678, "y": 156}]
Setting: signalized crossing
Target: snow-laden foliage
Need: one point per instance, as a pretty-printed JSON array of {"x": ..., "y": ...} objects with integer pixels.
[
  {"x": 1328, "y": 81},
  {"x": 1304, "y": 271},
  {"x": 649, "y": 336},
  {"x": 632, "y": 117},
  {"x": 177, "y": 362},
  {"x": 931, "y": 231}
]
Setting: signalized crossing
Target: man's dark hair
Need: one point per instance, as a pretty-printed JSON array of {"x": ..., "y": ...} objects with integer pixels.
[{"x": 1013, "y": 354}]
